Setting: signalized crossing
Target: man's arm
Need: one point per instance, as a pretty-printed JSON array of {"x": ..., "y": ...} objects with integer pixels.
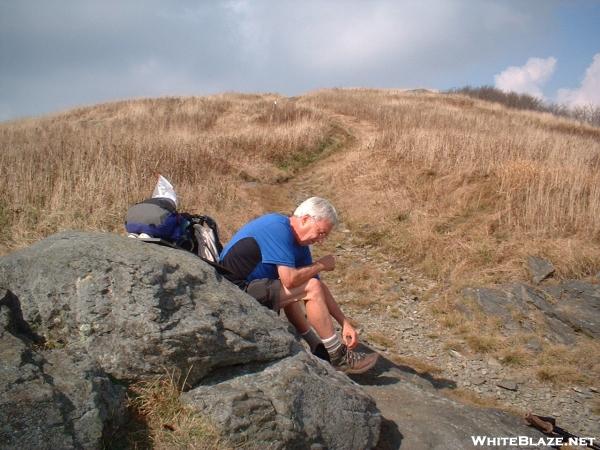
[{"x": 292, "y": 277}]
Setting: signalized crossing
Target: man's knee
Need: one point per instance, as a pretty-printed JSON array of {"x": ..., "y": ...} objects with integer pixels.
[{"x": 314, "y": 286}]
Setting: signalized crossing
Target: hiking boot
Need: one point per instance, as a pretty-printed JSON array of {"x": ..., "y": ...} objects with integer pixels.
[{"x": 354, "y": 362}]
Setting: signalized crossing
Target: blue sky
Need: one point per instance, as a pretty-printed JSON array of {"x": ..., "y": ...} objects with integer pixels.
[
  {"x": 66, "y": 53},
  {"x": 577, "y": 39}
]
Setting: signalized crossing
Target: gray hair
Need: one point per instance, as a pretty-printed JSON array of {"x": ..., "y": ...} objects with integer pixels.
[{"x": 319, "y": 209}]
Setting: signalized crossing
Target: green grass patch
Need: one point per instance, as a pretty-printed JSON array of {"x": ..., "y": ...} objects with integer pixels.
[{"x": 335, "y": 139}]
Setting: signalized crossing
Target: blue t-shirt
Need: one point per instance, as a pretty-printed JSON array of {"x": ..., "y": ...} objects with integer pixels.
[{"x": 267, "y": 242}]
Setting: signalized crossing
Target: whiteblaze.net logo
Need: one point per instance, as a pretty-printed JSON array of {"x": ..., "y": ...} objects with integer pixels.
[{"x": 527, "y": 441}]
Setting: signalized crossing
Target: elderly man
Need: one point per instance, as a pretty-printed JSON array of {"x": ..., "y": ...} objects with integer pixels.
[{"x": 270, "y": 259}]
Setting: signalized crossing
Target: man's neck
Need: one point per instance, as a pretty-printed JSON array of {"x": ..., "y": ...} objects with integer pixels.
[{"x": 295, "y": 226}]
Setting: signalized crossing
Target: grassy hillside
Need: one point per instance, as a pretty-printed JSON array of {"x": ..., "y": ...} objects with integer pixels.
[
  {"x": 462, "y": 188},
  {"x": 459, "y": 189},
  {"x": 466, "y": 189},
  {"x": 82, "y": 169}
]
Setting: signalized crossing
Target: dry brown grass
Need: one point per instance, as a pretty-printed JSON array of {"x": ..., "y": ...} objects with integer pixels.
[
  {"x": 483, "y": 343},
  {"x": 462, "y": 188},
  {"x": 168, "y": 424},
  {"x": 467, "y": 189},
  {"x": 561, "y": 364},
  {"x": 82, "y": 169},
  {"x": 516, "y": 356}
]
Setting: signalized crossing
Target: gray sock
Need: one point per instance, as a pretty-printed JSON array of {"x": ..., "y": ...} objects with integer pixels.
[{"x": 312, "y": 338}]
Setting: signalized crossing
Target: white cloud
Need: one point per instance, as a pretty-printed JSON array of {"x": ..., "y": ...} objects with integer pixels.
[
  {"x": 588, "y": 92},
  {"x": 527, "y": 79},
  {"x": 373, "y": 36}
]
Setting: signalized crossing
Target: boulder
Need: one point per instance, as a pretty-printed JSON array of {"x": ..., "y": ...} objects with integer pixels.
[
  {"x": 578, "y": 305},
  {"x": 51, "y": 398},
  {"x": 567, "y": 309},
  {"x": 539, "y": 268},
  {"x": 294, "y": 403},
  {"x": 138, "y": 308},
  {"x": 570, "y": 307},
  {"x": 117, "y": 309},
  {"x": 494, "y": 302},
  {"x": 557, "y": 329},
  {"x": 502, "y": 303}
]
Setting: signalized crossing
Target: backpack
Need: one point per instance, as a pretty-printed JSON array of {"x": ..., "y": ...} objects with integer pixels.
[
  {"x": 203, "y": 233},
  {"x": 157, "y": 218}
]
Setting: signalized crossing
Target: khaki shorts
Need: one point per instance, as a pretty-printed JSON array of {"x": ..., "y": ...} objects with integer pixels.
[{"x": 266, "y": 291}]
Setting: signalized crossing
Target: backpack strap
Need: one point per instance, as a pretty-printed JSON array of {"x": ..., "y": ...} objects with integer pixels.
[
  {"x": 210, "y": 222},
  {"x": 218, "y": 267}
]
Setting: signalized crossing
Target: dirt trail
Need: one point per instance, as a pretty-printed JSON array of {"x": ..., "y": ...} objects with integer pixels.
[{"x": 413, "y": 334}]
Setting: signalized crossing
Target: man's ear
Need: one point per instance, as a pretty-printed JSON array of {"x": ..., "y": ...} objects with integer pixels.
[{"x": 305, "y": 219}]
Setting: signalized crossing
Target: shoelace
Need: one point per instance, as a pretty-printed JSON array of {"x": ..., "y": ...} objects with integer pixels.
[{"x": 353, "y": 357}]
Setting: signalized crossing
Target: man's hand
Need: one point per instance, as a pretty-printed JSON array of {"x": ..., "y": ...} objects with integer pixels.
[
  {"x": 349, "y": 335},
  {"x": 328, "y": 262}
]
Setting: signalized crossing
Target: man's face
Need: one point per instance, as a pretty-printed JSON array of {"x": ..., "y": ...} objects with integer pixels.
[{"x": 313, "y": 231}]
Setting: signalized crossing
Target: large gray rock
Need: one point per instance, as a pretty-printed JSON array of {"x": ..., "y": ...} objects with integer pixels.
[
  {"x": 138, "y": 308},
  {"x": 418, "y": 417},
  {"x": 565, "y": 310},
  {"x": 117, "y": 306},
  {"x": 51, "y": 399},
  {"x": 577, "y": 304},
  {"x": 291, "y": 404},
  {"x": 499, "y": 303},
  {"x": 558, "y": 326}
]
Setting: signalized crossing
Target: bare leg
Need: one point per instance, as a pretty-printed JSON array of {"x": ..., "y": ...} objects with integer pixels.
[
  {"x": 332, "y": 305},
  {"x": 316, "y": 308},
  {"x": 295, "y": 314}
]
